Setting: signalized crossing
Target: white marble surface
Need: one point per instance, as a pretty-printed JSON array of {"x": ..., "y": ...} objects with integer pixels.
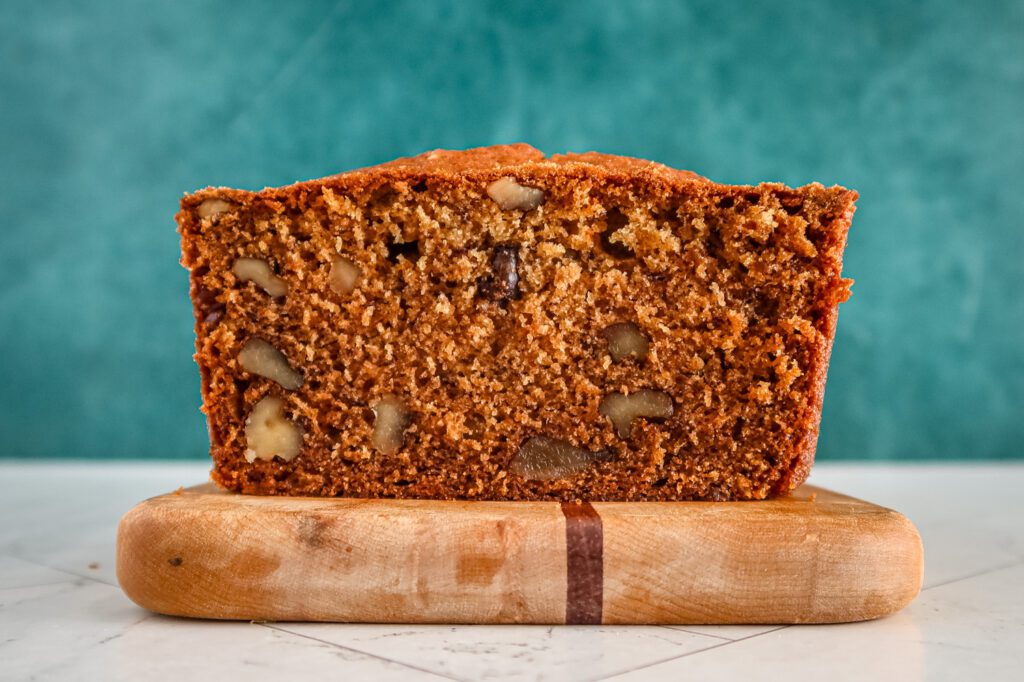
[{"x": 62, "y": 616}]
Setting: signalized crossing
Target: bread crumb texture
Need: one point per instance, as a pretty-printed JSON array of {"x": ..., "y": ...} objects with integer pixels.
[{"x": 450, "y": 326}]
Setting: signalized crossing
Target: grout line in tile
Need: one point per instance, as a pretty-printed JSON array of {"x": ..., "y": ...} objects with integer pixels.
[
  {"x": 138, "y": 621},
  {"x": 682, "y": 628},
  {"x": 25, "y": 587},
  {"x": 692, "y": 653},
  {"x": 65, "y": 571},
  {"x": 274, "y": 626},
  {"x": 63, "y": 665},
  {"x": 975, "y": 574}
]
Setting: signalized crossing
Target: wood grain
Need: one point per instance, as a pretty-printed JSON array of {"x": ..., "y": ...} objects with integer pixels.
[{"x": 813, "y": 557}]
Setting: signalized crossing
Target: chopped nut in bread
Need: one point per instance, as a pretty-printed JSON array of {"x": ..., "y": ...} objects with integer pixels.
[
  {"x": 391, "y": 418},
  {"x": 511, "y": 196},
  {"x": 625, "y": 340},
  {"x": 344, "y": 275},
  {"x": 211, "y": 208},
  {"x": 269, "y": 434},
  {"x": 258, "y": 270},
  {"x": 541, "y": 458},
  {"x": 622, "y": 409},
  {"x": 259, "y": 357}
]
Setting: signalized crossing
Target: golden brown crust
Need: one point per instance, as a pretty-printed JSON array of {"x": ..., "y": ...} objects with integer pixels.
[
  {"x": 737, "y": 287},
  {"x": 449, "y": 162},
  {"x": 483, "y": 163}
]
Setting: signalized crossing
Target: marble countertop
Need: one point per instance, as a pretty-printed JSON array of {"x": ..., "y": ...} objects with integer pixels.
[{"x": 62, "y": 615}]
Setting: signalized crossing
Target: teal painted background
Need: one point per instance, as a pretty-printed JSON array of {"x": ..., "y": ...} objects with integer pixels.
[{"x": 109, "y": 111}]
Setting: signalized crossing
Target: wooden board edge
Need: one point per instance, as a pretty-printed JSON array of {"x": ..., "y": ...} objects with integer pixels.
[{"x": 137, "y": 528}]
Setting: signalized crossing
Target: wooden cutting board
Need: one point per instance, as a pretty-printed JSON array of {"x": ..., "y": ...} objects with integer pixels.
[{"x": 813, "y": 557}]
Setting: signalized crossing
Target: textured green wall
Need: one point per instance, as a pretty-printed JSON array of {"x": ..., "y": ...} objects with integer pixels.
[{"x": 109, "y": 111}]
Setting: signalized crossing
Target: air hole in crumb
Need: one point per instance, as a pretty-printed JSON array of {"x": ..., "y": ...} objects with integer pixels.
[
  {"x": 241, "y": 386},
  {"x": 475, "y": 426},
  {"x": 498, "y": 344},
  {"x": 660, "y": 483},
  {"x": 765, "y": 306},
  {"x": 384, "y": 196},
  {"x": 616, "y": 220},
  {"x": 753, "y": 245},
  {"x": 213, "y": 318},
  {"x": 420, "y": 186},
  {"x": 791, "y": 203},
  {"x": 737, "y": 428},
  {"x": 716, "y": 246},
  {"x": 752, "y": 198},
  {"x": 725, "y": 202},
  {"x": 717, "y": 494},
  {"x": 441, "y": 283},
  {"x": 408, "y": 250},
  {"x": 210, "y": 309}
]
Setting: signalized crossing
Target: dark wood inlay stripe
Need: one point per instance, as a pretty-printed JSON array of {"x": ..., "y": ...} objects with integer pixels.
[{"x": 584, "y": 543}]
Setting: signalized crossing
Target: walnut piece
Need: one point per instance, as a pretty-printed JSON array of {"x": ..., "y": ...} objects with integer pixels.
[
  {"x": 259, "y": 357},
  {"x": 622, "y": 409},
  {"x": 344, "y": 275},
  {"x": 211, "y": 208},
  {"x": 391, "y": 418},
  {"x": 269, "y": 434},
  {"x": 542, "y": 459},
  {"x": 258, "y": 270},
  {"x": 511, "y": 196},
  {"x": 625, "y": 340}
]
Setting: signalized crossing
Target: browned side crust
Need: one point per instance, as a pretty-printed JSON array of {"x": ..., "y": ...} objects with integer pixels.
[{"x": 833, "y": 207}]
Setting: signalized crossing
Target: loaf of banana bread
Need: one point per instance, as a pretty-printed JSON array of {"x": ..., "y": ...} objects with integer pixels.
[{"x": 497, "y": 324}]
